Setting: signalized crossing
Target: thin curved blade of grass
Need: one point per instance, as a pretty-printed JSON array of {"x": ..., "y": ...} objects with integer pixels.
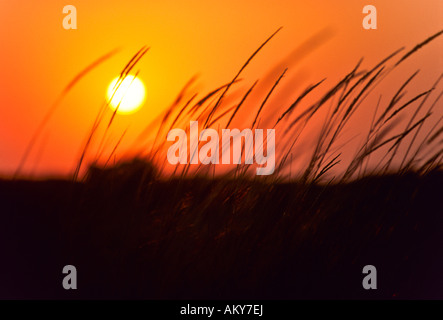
[
  {"x": 396, "y": 98},
  {"x": 419, "y": 46},
  {"x": 56, "y": 104},
  {"x": 115, "y": 148},
  {"x": 238, "y": 74},
  {"x": 267, "y": 96},
  {"x": 415, "y": 115},
  {"x": 241, "y": 103},
  {"x": 298, "y": 100},
  {"x": 129, "y": 66}
]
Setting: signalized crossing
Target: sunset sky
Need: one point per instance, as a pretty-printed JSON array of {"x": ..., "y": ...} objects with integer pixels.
[{"x": 211, "y": 39}]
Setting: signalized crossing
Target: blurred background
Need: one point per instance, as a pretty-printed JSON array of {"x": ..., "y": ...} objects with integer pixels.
[{"x": 211, "y": 39}]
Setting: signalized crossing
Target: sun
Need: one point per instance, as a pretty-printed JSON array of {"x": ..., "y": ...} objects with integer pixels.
[{"x": 128, "y": 95}]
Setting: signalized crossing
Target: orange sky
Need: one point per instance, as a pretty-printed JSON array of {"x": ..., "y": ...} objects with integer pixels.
[{"x": 38, "y": 57}]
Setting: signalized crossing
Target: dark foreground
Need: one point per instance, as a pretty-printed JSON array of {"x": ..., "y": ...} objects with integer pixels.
[{"x": 221, "y": 239}]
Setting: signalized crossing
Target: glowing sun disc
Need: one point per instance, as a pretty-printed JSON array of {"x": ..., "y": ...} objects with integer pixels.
[{"x": 128, "y": 96}]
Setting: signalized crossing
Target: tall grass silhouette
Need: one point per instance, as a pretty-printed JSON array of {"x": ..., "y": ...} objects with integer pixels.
[
  {"x": 139, "y": 230},
  {"x": 342, "y": 101}
]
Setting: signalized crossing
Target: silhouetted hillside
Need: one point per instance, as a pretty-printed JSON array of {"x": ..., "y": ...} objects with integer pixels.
[{"x": 132, "y": 236}]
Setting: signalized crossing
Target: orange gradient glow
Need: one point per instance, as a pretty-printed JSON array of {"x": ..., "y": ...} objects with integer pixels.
[{"x": 211, "y": 39}]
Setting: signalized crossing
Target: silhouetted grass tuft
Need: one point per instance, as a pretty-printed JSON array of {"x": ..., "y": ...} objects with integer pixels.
[{"x": 136, "y": 230}]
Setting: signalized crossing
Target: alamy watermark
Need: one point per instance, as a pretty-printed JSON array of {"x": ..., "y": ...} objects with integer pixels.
[
  {"x": 370, "y": 281},
  {"x": 70, "y": 20},
  {"x": 251, "y": 142},
  {"x": 70, "y": 280}
]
